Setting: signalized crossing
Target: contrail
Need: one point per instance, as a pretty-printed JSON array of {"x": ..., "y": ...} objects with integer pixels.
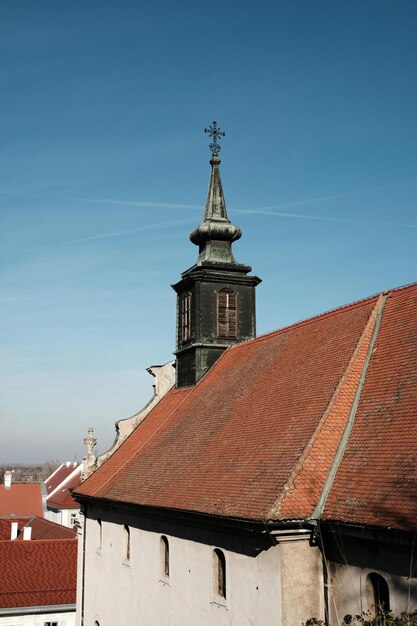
[
  {"x": 282, "y": 205},
  {"x": 118, "y": 233},
  {"x": 143, "y": 204},
  {"x": 321, "y": 218}
]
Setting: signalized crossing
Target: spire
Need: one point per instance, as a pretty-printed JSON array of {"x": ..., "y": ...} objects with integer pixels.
[
  {"x": 216, "y": 296},
  {"x": 215, "y": 234}
]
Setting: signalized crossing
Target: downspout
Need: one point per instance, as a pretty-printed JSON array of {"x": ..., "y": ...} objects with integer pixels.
[
  {"x": 318, "y": 511},
  {"x": 83, "y": 565}
]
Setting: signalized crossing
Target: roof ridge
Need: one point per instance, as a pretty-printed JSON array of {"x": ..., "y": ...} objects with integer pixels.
[
  {"x": 308, "y": 320},
  {"x": 329, "y": 313}
]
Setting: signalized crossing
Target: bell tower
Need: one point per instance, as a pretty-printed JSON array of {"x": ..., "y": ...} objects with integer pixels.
[{"x": 215, "y": 297}]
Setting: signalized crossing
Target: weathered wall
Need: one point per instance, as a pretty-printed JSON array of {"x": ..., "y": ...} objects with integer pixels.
[
  {"x": 352, "y": 558},
  {"x": 302, "y": 583},
  {"x": 125, "y": 592}
]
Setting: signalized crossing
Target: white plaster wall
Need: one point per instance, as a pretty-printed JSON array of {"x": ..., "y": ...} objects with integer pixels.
[
  {"x": 63, "y": 516},
  {"x": 63, "y": 619},
  {"x": 347, "y": 590},
  {"x": 123, "y": 593},
  {"x": 54, "y": 516}
]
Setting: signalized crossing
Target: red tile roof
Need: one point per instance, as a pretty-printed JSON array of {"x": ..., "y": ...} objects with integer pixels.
[
  {"x": 61, "y": 498},
  {"x": 41, "y": 529},
  {"x": 38, "y": 573},
  {"x": 58, "y": 476},
  {"x": 258, "y": 436},
  {"x": 377, "y": 479},
  {"x": 20, "y": 500}
]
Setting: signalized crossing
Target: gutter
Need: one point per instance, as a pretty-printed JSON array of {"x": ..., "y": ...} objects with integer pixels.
[
  {"x": 196, "y": 519},
  {"x": 29, "y": 610}
]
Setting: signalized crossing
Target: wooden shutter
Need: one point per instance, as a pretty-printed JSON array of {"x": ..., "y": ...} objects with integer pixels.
[
  {"x": 227, "y": 313},
  {"x": 186, "y": 317}
]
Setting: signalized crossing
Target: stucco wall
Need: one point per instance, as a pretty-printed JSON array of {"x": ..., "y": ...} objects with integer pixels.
[
  {"x": 63, "y": 516},
  {"x": 347, "y": 590},
  {"x": 124, "y": 592},
  {"x": 302, "y": 582},
  {"x": 352, "y": 558},
  {"x": 186, "y": 598}
]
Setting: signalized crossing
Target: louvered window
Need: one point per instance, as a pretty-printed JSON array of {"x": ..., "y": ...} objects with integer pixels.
[
  {"x": 186, "y": 317},
  {"x": 227, "y": 313}
]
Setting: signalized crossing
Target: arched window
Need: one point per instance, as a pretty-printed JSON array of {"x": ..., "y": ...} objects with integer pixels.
[
  {"x": 226, "y": 313},
  {"x": 219, "y": 573},
  {"x": 99, "y": 535},
  {"x": 126, "y": 543},
  {"x": 377, "y": 592},
  {"x": 186, "y": 316},
  {"x": 164, "y": 546}
]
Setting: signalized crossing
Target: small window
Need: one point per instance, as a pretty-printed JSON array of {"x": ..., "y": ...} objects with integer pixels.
[
  {"x": 99, "y": 535},
  {"x": 186, "y": 316},
  {"x": 126, "y": 543},
  {"x": 377, "y": 594},
  {"x": 226, "y": 313},
  {"x": 50, "y": 624},
  {"x": 164, "y": 557},
  {"x": 219, "y": 573}
]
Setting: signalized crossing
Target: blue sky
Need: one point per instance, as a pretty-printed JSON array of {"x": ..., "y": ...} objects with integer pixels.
[{"x": 105, "y": 170}]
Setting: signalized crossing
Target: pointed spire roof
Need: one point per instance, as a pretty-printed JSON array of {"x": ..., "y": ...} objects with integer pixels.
[{"x": 216, "y": 233}]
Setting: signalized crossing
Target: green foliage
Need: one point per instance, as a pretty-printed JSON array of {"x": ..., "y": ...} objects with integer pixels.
[{"x": 383, "y": 618}]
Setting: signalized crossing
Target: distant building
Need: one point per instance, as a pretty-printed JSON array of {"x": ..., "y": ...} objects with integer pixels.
[
  {"x": 59, "y": 475},
  {"x": 38, "y": 573},
  {"x": 60, "y": 505},
  {"x": 20, "y": 499},
  {"x": 277, "y": 479}
]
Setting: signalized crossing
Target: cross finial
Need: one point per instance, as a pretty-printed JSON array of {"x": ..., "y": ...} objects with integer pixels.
[{"x": 216, "y": 133}]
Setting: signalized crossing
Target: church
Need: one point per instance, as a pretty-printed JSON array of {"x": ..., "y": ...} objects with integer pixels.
[{"x": 271, "y": 479}]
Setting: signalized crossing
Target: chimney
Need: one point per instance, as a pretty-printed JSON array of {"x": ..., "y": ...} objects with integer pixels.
[
  {"x": 14, "y": 529},
  {"x": 7, "y": 479},
  {"x": 27, "y": 533}
]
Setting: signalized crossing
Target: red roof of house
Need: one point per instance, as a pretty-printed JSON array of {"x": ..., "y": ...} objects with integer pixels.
[
  {"x": 257, "y": 437},
  {"x": 20, "y": 500},
  {"x": 58, "y": 476},
  {"x": 41, "y": 529},
  {"x": 61, "y": 498},
  {"x": 38, "y": 573}
]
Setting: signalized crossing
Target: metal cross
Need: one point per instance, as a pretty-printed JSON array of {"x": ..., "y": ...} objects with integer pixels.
[{"x": 216, "y": 133}]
